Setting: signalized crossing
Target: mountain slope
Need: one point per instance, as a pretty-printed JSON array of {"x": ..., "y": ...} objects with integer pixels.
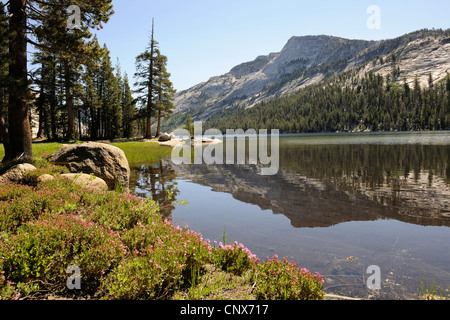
[{"x": 309, "y": 60}]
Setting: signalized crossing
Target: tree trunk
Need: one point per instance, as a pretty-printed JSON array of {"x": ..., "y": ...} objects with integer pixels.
[
  {"x": 4, "y": 135},
  {"x": 93, "y": 130},
  {"x": 148, "y": 134},
  {"x": 20, "y": 142},
  {"x": 40, "y": 109},
  {"x": 158, "y": 130},
  {"x": 79, "y": 124},
  {"x": 53, "y": 104},
  {"x": 4, "y": 138},
  {"x": 40, "y": 133},
  {"x": 69, "y": 103}
]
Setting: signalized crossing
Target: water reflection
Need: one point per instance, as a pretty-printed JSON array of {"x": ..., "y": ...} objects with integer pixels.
[
  {"x": 158, "y": 181},
  {"x": 323, "y": 185},
  {"x": 341, "y": 200}
]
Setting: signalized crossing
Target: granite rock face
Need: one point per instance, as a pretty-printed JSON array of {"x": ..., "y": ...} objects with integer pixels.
[{"x": 310, "y": 59}]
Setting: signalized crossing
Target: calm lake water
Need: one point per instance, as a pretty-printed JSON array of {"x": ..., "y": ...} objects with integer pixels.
[{"x": 339, "y": 204}]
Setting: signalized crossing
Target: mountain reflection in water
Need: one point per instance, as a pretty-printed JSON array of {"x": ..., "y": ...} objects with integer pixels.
[{"x": 323, "y": 185}]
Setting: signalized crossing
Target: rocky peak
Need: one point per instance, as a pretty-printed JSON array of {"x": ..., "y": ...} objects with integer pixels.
[{"x": 306, "y": 60}]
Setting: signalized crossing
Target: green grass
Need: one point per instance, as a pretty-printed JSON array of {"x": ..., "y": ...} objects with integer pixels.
[
  {"x": 39, "y": 149},
  {"x": 433, "y": 291},
  {"x": 141, "y": 153},
  {"x": 137, "y": 153}
]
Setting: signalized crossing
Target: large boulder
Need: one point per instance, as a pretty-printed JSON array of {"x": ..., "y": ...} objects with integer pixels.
[
  {"x": 103, "y": 160},
  {"x": 16, "y": 174},
  {"x": 86, "y": 180}
]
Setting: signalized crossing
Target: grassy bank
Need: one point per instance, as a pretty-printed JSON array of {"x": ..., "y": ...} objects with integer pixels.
[
  {"x": 122, "y": 247},
  {"x": 143, "y": 153},
  {"x": 39, "y": 149},
  {"x": 137, "y": 153}
]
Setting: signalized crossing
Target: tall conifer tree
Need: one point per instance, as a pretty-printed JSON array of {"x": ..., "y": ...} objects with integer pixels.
[
  {"x": 145, "y": 73},
  {"x": 44, "y": 24}
]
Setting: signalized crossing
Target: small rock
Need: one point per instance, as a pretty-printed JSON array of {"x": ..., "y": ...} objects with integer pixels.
[
  {"x": 87, "y": 180},
  {"x": 165, "y": 137},
  {"x": 44, "y": 178},
  {"x": 16, "y": 173}
]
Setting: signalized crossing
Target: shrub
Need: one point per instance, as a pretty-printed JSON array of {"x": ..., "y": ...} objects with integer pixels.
[
  {"x": 136, "y": 278},
  {"x": 165, "y": 257},
  {"x": 233, "y": 258},
  {"x": 128, "y": 211},
  {"x": 20, "y": 204},
  {"x": 42, "y": 250},
  {"x": 276, "y": 280}
]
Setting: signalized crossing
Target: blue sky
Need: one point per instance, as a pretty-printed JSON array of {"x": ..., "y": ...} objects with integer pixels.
[{"x": 205, "y": 38}]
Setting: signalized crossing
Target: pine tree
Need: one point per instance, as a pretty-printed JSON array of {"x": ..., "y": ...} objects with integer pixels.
[
  {"x": 110, "y": 97},
  {"x": 145, "y": 73},
  {"x": 46, "y": 23},
  {"x": 189, "y": 126},
  {"x": 90, "y": 99},
  {"x": 164, "y": 91},
  {"x": 128, "y": 109},
  {"x": 19, "y": 130}
]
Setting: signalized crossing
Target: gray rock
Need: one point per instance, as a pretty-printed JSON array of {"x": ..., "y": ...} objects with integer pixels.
[
  {"x": 16, "y": 173},
  {"x": 44, "y": 178},
  {"x": 103, "y": 160},
  {"x": 165, "y": 137},
  {"x": 296, "y": 66},
  {"x": 86, "y": 180}
]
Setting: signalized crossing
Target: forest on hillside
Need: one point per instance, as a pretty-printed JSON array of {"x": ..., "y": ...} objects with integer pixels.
[{"x": 345, "y": 103}]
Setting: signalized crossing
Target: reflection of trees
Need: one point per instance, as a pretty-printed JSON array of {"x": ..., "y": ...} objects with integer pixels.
[
  {"x": 156, "y": 181},
  {"x": 410, "y": 177},
  {"x": 322, "y": 185},
  {"x": 371, "y": 165}
]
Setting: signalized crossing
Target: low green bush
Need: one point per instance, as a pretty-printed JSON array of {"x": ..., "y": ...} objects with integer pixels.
[
  {"x": 128, "y": 210},
  {"x": 20, "y": 204},
  {"x": 164, "y": 258},
  {"x": 283, "y": 280},
  {"x": 235, "y": 258},
  {"x": 42, "y": 250}
]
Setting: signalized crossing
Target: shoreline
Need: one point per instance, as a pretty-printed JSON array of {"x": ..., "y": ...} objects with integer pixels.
[{"x": 120, "y": 243}]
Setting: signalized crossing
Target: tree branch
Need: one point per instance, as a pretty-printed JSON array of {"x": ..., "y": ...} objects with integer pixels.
[{"x": 41, "y": 46}]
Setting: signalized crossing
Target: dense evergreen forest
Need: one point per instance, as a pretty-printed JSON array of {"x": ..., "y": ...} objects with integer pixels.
[
  {"x": 67, "y": 83},
  {"x": 347, "y": 102}
]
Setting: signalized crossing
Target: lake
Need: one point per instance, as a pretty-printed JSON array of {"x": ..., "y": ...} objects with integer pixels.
[{"x": 339, "y": 204}]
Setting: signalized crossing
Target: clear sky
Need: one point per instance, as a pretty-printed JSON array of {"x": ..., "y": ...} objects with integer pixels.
[{"x": 205, "y": 38}]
